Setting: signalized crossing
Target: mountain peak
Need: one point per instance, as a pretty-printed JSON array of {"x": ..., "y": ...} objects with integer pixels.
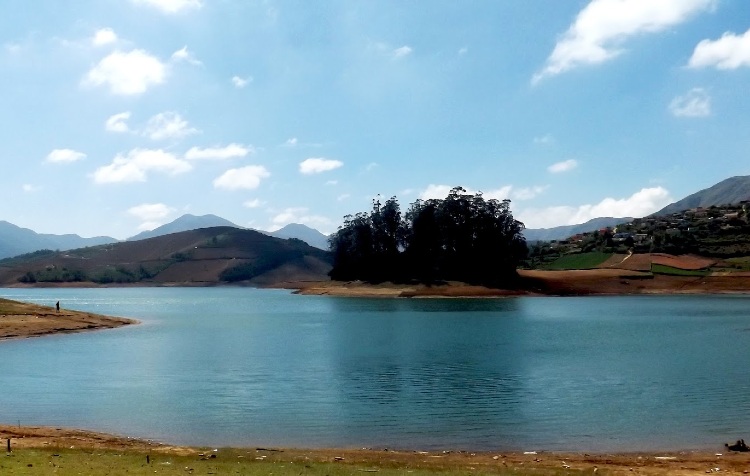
[{"x": 186, "y": 222}]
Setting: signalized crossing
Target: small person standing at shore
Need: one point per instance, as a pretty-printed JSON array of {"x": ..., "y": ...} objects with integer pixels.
[{"x": 57, "y": 306}]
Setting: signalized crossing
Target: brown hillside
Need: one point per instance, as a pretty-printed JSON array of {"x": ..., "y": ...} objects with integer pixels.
[{"x": 197, "y": 256}]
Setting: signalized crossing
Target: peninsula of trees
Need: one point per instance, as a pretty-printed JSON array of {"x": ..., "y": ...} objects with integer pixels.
[{"x": 463, "y": 237}]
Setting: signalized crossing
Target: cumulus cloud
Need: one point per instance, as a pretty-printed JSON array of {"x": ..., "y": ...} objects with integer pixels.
[
  {"x": 168, "y": 125},
  {"x": 247, "y": 178},
  {"x": 696, "y": 103},
  {"x": 641, "y": 203},
  {"x": 128, "y": 73},
  {"x": 171, "y": 6},
  {"x": 135, "y": 166},
  {"x": 255, "y": 203},
  {"x": 731, "y": 51},
  {"x": 291, "y": 142},
  {"x": 183, "y": 55},
  {"x": 240, "y": 82},
  {"x": 150, "y": 214},
  {"x": 402, "y": 51},
  {"x": 564, "y": 166},
  {"x": 528, "y": 193},
  {"x": 218, "y": 153},
  {"x": 117, "y": 122},
  {"x": 104, "y": 36},
  {"x": 59, "y": 156},
  {"x": 603, "y": 26},
  {"x": 441, "y": 191},
  {"x": 316, "y": 165},
  {"x": 300, "y": 215}
]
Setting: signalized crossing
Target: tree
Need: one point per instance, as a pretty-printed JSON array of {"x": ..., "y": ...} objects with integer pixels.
[{"x": 463, "y": 237}]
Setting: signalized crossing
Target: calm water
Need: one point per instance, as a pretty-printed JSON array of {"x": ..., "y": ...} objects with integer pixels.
[{"x": 236, "y": 366}]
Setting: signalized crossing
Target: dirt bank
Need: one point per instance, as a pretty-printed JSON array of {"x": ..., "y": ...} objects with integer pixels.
[{"x": 19, "y": 320}]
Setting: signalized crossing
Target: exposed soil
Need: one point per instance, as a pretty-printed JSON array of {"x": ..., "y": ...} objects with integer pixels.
[{"x": 30, "y": 320}]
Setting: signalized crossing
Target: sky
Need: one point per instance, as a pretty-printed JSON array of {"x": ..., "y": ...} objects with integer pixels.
[{"x": 122, "y": 115}]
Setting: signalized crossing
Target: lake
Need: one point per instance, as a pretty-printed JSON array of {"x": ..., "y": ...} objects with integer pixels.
[{"x": 249, "y": 367}]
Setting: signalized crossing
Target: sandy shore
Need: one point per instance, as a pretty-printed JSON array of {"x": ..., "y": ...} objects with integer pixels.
[
  {"x": 18, "y": 320},
  {"x": 668, "y": 463}
]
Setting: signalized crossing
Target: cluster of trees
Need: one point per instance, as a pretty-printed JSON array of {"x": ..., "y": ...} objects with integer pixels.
[{"x": 462, "y": 237}]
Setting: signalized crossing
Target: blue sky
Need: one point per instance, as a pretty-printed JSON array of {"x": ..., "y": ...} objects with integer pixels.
[{"x": 121, "y": 115}]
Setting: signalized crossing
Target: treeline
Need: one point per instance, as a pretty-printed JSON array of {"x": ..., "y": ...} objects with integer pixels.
[{"x": 462, "y": 237}]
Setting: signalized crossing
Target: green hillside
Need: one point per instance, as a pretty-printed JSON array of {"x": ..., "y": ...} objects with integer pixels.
[{"x": 203, "y": 256}]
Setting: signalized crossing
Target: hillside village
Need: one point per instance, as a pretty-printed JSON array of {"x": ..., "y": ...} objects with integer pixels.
[{"x": 720, "y": 232}]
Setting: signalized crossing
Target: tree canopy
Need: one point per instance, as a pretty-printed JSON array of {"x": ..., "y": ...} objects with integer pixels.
[{"x": 462, "y": 237}]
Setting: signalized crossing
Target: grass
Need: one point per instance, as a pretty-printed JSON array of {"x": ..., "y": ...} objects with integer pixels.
[
  {"x": 670, "y": 271},
  {"x": 579, "y": 261},
  {"x": 66, "y": 462}
]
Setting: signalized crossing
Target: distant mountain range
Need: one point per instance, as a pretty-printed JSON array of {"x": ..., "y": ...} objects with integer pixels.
[
  {"x": 15, "y": 240},
  {"x": 184, "y": 223},
  {"x": 727, "y": 192}
]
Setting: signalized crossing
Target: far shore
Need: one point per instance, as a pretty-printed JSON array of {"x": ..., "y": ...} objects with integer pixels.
[
  {"x": 594, "y": 282},
  {"x": 63, "y": 448},
  {"x": 22, "y": 320}
]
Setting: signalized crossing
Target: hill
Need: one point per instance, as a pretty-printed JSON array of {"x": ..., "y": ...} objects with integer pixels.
[
  {"x": 727, "y": 192},
  {"x": 203, "y": 256},
  {"x": 309, "y": 235},
  {"x": 15, "y": 240},
  {"x": 563, "y": 232},
  {"x": 186, "y": 222}
]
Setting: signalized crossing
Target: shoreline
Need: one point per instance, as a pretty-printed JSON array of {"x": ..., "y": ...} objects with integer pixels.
[
  {"x": 20, "y": 320},
  {"x": 81, "y": 442}
]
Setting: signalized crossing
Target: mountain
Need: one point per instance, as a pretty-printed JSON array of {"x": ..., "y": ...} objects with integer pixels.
[
  {"x": 309, "y": 235},
  {"x": 562, "y": 232},
  {"x": 203, "y": 256},
  {"x": 184, "y": 223},
  {"x": 727, "y": 192},
  {"x": 15, "y": 240}
]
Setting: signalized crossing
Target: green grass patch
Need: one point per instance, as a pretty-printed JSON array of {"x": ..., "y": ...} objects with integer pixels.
[
  {"x": 69, "y": 462},
  {"x": 670, "y": 271},
  {"x": 578, "y": 261}
]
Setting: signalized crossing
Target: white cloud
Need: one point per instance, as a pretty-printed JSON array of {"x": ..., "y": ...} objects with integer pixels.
[
  {"x": 546, "y": 139},
  {"x": 171, "y": 6},
  {"x": 150, "y": 211},
  {"x": 603, "y": 26},
  {"x": 64, "y": 156},
  {"x": 402, "y": 51},
  {"x": 316, "y": 165},
  {"x": 564, "y": 166},
  {"x": 104, "y": 36},
  {"x": 116, "y": 122},
  {"x": 128, "y": 73},
  {"x": 528, "y": 193},
  {"x": 696, "y": 103},
  {"x": 332, "y": 182},
  {"x": 731, "y": 51},
  {"x": 168, "y": 125},
  {"x": 29, "y": 188},
  {"x": 240, "y": 82},
  {"x": 184, "y": 55},
  {"x": 135, "y": 166},
  {"x": 291, "y": 142},
  {"x": 300, "y": 215},
  {"x": 13, "y": 48},
  {"x": 463, "y": 51},
  {"x": 218, "y": 153},
  {"x": 247, "y": 178},
  {"x": 441, "y": 191},
  {"x": 343, "y": 197},
  {"x": 641, "y": 203},
  {"x": 255, "y": 203},
  {"x": 371, "y": 166}
]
